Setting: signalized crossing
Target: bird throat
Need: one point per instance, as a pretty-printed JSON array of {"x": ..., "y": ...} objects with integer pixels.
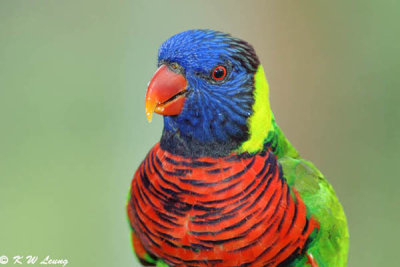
[{"x": 175, "y": 143}]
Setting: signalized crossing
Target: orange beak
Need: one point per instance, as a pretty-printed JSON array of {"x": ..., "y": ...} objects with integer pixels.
[{"x": 165, "y": 93}]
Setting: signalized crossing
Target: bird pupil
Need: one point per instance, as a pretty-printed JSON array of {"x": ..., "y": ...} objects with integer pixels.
[{"x": 219, "y": 73}]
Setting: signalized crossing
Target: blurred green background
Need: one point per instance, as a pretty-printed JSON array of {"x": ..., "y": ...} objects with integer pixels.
[{"x": 73, "y": 75}]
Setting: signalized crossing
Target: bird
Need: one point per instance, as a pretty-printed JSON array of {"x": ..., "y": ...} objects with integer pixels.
[{"x": 224, "y": 186}]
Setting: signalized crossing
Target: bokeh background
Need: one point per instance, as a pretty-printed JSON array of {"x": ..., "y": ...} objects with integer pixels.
[{"x": 73, "y": 75}]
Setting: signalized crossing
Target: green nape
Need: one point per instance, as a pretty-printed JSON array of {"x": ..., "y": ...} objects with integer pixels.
[
  {"x": 263, "y": 131},
  {"x": 260, "y": 122}
]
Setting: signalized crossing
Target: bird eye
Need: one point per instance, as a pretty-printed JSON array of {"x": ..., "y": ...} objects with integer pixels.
[{"x": 219, "y": 73}]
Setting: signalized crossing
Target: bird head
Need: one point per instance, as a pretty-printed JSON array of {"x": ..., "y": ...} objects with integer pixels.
[{"x": 211, "y": 90}]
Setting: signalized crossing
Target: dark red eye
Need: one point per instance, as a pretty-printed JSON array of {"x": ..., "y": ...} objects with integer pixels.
[{"x": 219, "y": 73}]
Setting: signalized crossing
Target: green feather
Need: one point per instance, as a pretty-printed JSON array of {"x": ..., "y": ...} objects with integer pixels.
[
  {"x": 330, "y": 244},
  {"x": 260, "y": 121}
]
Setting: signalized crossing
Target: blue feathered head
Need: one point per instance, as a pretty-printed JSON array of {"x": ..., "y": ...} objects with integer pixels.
[{"x": 204, "y": 88}]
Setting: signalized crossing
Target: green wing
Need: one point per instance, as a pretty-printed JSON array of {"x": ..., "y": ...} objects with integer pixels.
[{"x": 330, "y": 245}]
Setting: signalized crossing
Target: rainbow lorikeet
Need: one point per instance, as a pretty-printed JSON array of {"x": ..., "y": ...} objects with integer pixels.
[{"x": 224, "y": 187}]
